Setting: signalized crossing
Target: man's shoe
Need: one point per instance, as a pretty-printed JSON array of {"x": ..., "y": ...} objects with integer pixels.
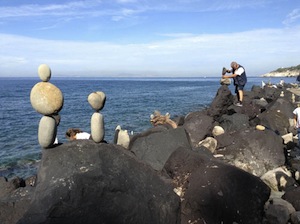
[{"x": 238, "y": 104}]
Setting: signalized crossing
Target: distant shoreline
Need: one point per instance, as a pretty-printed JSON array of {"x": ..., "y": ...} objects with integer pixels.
[{"x": 288, "y": 73}]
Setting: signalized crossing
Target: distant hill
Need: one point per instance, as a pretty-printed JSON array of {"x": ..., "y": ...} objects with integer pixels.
[{"x": 284, "y": 72}]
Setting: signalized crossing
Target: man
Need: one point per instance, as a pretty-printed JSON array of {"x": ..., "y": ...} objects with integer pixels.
[{"x": 240, "y": 80}]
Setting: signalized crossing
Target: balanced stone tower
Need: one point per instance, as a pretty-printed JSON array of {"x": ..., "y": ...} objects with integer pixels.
[
  {"x": 47, "y": 100},
  {"x": 97, "y": 102}
]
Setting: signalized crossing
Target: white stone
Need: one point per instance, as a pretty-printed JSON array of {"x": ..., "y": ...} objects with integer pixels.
[
  {"x": 97, "y": 100},
  {"x": 287, "y": 138},
  {"x": 44, "y": 72},
  {"x": 209, "y": 143},
  {"x": 123, "y": 137},
  {"x": 260, "y": 127},
  {"x": 218, "y": 130},
  {"x": 46, "y": 98},
  {"x": 97, "y": 127},
  {"x": 47, "y": 131},
  {"x": 271, "y": 178}
]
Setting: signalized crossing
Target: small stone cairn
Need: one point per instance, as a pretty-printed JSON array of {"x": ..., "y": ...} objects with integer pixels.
[
  {"x": 97, "y": 102},
  {"x": 47, "y": 100},
  {"x": 225, "y": 81}
]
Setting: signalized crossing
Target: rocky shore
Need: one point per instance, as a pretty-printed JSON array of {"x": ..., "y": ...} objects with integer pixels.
[{"x": 224, "y": 164}]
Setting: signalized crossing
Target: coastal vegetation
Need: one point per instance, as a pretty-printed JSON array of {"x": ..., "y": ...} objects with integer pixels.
[
  {"x": 292, "y": 71},
  {"x": 292, "y": 68}
]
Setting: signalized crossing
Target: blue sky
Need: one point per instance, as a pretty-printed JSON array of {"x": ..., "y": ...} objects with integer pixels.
[{"x": 146, "y": 38}]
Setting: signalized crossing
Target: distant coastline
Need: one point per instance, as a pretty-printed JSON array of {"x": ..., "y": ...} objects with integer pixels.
[{"x": 284, "y": 72}]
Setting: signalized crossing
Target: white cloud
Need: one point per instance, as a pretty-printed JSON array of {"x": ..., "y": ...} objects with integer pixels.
[
  {"x": 258, "y": 50},
  {"x": 292, "y": 17}
]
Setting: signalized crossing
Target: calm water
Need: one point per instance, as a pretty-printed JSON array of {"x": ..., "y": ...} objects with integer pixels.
[{"x": 129, "y": 103}]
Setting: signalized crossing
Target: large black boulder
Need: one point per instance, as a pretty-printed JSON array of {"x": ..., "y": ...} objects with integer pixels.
[
  {"x": 221, "y": 102},
  {"x": 154, "y": 147},
  {"x": 198, "y": 126},
  {"x": 277, "y": 116},
  {"x": 85, "y": 182},
  {"x": 14, "y": 205},
  {"x": 215, "y": 192},
  {"x": 252, "y": 150},
  {"x": 234, "y": 122}
]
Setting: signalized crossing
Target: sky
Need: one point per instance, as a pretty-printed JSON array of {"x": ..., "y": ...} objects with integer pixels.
[{"x": 147, "y": 38}]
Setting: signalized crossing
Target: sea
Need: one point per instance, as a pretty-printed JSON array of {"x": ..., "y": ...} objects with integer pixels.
[{"x": 129, "y": 103}]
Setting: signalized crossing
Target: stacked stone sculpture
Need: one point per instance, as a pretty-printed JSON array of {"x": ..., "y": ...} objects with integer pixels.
[
  {"x": 97, "y": 102},
  {"x": 225, "y": 81},
  {"x": 47, "y": 100}
]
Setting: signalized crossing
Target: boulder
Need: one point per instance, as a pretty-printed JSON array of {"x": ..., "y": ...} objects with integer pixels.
[
  {"x": 295, "y": 217},
  {"x": 251, "y": 150},
  {"x": 258, "y": 91},
  {"x": 154, "y": 147},
  {"x": 222, "y": 100},
  {"x": 277, "y": 116},
  {"x": 293, "y": 197},
  {"x": 214, "y": 192},
  {"x": 7, "y": 187},
  {"x": 271, "y": 93},
  {"x": 198, "y": 126},
  {"x": 279, "y": 179},
  {"x": 85, "y": 182},
  {"x": 234, "y": 122},
  {"x": 14, "y": 205},
  {"x": 278, "y": 211}
]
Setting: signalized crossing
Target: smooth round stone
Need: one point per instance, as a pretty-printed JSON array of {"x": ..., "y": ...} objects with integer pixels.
[
  {"x": 218, "y": 130},
  {"x": 260, "y": 127},
  {"x": 97, "y": 127},
  {"x": 44, "y": 72},
  {"x": 46, "y": 98},
  {"x": 47, "y": 131},
  {"x": 97, "y": 100}
]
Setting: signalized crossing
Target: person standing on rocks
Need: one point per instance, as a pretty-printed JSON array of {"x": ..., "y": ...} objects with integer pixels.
[
  {"x": 240, "y": 80},
  {"x": 296, "y": 113}
]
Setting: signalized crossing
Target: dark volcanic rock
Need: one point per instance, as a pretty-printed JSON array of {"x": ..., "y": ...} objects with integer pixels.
[
  {"x": 293, "y": 196},
  {"x": 251, "y": 150},
  {"x": 233, "y": 122},
  {"x": 221, "y": 102},
  {"x": 85, "y": 182},
  {"x": 271, "y": 93},
  {"x": 214, "y": 192},
  {"x": 198, "y": 126},
  {"x": 155, "y": 148},
  {"x": 277, "y": 116},
  {"x": 14, "y": 205}
]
